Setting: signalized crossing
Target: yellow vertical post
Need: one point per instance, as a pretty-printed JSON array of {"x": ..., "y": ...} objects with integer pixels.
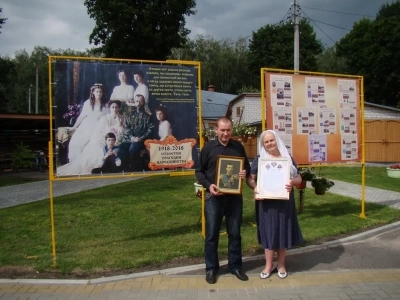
[
  {"x": 51, "y": 166},
  {"x": 200, "y": 122},
  {"x": 263, "y": 100},
  {"x": 53, "y": 235},
  {"x": 362, "y": 214}
]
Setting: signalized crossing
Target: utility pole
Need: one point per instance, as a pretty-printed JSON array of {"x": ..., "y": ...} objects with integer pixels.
[
  {"x": 37, "y": 89},
  {"x": 29, "y": 99},
  {"x": 296, "y": 14}
]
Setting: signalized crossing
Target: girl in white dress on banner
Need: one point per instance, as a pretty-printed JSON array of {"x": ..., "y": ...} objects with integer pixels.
[
  {"x": 93, "y": 109},
  {"x": 164, "y": 126}
]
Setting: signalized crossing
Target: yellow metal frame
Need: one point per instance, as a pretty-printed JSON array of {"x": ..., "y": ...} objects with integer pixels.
[
  {"x": 52, "y": 177},
  {"x": 361, "y": 88}
]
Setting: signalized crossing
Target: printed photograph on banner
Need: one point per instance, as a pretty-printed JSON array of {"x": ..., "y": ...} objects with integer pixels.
[
  {"x": 281, "y": 91},
  {"x": 315, "y": 88},
  {"x": 348, "y": 121},
  {"x": 347, "y": 93},
  {"x": 317, "y": 148},
  {"x": 327, "y": 120},
  {"x": 306, "y": 120},
  {"x": 120, "y": 117},
  {"x": 287, "y": 140},
  {"x": 283, "y": 120},
  {"x": 349, "y": 147}
]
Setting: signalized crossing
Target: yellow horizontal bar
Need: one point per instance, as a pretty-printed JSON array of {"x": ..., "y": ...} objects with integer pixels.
[
  {"x": 309, "y": 73},
  {"x": 195, "y": 63}
]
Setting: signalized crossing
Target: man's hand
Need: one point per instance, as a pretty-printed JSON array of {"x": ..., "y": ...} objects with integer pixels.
[
  {"x": 242, "y": 174},
  {"x": 214, "y": 190}
]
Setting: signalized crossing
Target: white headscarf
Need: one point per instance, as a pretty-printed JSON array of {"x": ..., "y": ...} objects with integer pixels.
[{"x": 282, "y": 150}]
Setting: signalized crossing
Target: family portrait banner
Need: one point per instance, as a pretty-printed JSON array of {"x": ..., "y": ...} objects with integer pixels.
[{"x": 123, "y": 117}]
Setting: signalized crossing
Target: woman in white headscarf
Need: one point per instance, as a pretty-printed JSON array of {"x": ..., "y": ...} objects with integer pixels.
[{"x": 277, "y": 225}]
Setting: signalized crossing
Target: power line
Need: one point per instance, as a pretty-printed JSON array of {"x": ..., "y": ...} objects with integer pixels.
[
  {"x": 308, "y": 18},
  {"x": 329, "y": 24},
  {"x": 339, "y": 12}
]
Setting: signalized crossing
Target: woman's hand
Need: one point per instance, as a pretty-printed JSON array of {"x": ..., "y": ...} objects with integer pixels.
[{"x": 289, "y": 186}]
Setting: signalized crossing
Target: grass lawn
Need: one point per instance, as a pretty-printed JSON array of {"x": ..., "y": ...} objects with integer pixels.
[{"x": 152, "y": 221}]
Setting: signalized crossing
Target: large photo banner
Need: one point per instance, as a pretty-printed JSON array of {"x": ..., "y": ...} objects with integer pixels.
[{"x": 124, "y": 117}]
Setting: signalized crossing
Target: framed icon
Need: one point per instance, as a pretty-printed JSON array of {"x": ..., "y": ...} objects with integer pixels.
[{"x": 227, "y": 174}]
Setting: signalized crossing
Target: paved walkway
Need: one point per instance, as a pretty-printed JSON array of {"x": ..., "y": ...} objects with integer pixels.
[{"x": 364, "y": 266}]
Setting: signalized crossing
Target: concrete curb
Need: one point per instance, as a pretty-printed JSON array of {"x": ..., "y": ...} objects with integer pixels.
[{"x": 174, "y": 271}]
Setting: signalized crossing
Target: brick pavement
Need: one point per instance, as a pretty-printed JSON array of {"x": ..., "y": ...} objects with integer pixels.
[{"x": 365, "y": 284}]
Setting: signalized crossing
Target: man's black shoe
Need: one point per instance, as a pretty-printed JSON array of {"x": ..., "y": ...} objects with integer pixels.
[
  {"x": 211, "y": 276},
  {"x": 240, "y": 275}
]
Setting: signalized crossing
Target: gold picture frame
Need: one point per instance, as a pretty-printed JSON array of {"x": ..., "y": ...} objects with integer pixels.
[{"x": 227, "y": 179}]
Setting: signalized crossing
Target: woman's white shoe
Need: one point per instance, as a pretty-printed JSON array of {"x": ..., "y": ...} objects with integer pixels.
[
  {"x": 266, "y": 275},
  {"x": 282, "y": 275}
]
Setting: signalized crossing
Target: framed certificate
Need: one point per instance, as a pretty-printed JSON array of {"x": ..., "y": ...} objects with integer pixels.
[
  {"x": 226, "y": 177},
  {"x": 273, "y": 174}
]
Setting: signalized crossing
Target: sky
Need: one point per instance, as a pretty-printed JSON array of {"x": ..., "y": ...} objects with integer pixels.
[{"x": 60, "y": 24}]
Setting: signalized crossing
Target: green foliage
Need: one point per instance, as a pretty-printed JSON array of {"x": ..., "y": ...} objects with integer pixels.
[
  {"x": 2, "y": 20},
  {"x": 307, "y": 174},
  {"x": 247, "y": 89},
  {"x": 272, "y": 46},
  {"x": 322, "y": 183},
  {"x": 139, "y": 29},
  {"x": 223, "y": 62},
  {"x": 22, "y": 157},
  {"x": 329, "y": 62},
  {"x": 372, "y": 49}
]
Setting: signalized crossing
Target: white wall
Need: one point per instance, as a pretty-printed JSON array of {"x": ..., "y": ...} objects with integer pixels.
[{"x": 373, "y": 113}]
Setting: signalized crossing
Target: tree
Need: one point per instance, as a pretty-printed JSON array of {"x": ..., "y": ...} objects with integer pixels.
[
  {"x": 223, "y": 62},
  {"x": 272, "y": 46},
  {"x": 18, "y": 77},
  {"x": 329, "y": 62},
  {"x": 139, "y": 29},
  {"x": 2, "y": 20},
  {"x": 7, "y": 72},
  {"x": 372, "y": 49}
]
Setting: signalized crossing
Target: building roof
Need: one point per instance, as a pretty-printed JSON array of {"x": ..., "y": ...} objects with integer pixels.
[
  {"x": 381, "y": 106},
  {"x": 214, "y": 104}
]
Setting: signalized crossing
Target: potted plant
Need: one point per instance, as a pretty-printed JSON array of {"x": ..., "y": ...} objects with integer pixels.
[
  {"x": 393, "y": 171},
  {"x": 321, "y": 185},
  {"x": 307, "y": 174},
  {"x": 210, "y": 133},
  {"x": 251, "y": 131}
]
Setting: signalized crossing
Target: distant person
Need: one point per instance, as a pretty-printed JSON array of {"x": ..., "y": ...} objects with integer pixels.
[
  {"x": 277, "y": 225},
  {"x": 93, "y": 109},
  {"x": 219, "y": 205}
]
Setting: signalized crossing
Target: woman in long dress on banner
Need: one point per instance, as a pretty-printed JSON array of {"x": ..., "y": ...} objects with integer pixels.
[
  {"x": 93, "y": 109},
  {"x": 93, "y": 153},
  {"x": 123, "y": 92}
]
